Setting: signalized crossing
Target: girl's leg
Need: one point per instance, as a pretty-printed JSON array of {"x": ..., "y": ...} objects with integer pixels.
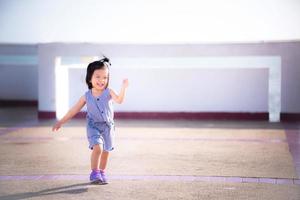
[
  {"x": 95, "y": 156},
  {"x": 103, "y": 160},
  {"x": 102, "y": 164}
]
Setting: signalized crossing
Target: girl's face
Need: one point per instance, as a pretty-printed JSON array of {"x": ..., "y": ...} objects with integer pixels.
[{"x": 100, "y": 78}]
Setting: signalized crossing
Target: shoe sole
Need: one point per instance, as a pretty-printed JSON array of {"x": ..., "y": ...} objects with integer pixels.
[{"x": 96, "y": 182}]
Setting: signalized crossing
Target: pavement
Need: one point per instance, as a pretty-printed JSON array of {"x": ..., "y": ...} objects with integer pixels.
[{"x": 153, "y": 159}]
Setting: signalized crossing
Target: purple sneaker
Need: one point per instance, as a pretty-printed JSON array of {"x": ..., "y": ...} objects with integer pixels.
[
  {"x": 103, "y": 176},
  {"x": 95, "y": 177}
]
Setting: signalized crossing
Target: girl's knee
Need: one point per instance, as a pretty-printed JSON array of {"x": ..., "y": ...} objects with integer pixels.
[
  {"x": 97, "y": 148},
  {"x": 106, "y": 153}
]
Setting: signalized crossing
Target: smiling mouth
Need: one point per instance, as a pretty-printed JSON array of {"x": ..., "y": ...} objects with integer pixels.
[{"x": 100, "y": 84}]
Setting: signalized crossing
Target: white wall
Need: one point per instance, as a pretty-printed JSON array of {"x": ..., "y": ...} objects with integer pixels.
[
  {"x": 183, "y": 89},
  {"x": 155, "y": 21},
  {"x": 217, "y": 90}
]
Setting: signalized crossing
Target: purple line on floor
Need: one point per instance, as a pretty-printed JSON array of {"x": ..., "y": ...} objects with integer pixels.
[
  {"x": 284, "y": 181},
  {"x": 250, "y": 180},
  {"x": 234, "y": 179},
  {"x": 267, "y": 180}
]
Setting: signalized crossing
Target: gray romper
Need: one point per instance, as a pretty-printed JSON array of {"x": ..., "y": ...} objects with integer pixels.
[{"x": 100, "y": 124}]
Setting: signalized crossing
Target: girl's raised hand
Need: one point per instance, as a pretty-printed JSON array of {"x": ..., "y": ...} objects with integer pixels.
[{"x": 125, "y": 83}]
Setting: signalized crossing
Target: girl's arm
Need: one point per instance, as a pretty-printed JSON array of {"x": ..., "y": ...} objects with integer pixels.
[
  {"x": 73, "y": 111},
  {"x": 119, "y": 98}
]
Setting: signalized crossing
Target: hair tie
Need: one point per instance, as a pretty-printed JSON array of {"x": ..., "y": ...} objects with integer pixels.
[{"x": 105, "y": 60}]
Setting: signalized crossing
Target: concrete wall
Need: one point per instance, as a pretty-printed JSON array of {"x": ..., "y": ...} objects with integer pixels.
[
  {"x": 156, "y": 89},
  {"x": 180, "y": 89}
]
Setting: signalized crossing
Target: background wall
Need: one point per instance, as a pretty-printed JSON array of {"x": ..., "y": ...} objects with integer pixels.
[
  {"x": 232, "y": 90},
  {"x": 18, "y": 72},
  {"x": 160, "y": 89}
]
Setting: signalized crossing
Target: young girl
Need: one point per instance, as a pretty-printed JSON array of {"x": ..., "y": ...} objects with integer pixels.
[{"x": 100, "y": 123}]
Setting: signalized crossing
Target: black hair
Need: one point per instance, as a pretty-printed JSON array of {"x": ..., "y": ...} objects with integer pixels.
[{"x": 99, "y": 64}]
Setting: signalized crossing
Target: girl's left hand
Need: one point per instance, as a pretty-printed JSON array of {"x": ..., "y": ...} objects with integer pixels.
[{"x": 125, "y": 83}]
